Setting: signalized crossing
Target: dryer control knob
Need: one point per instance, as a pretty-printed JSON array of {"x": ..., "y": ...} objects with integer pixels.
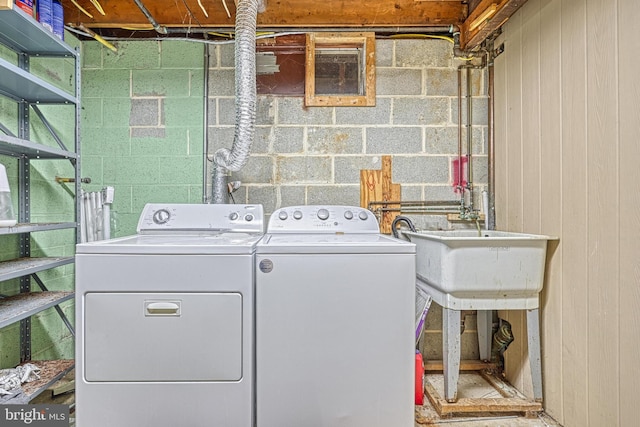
[
  {"x": 283, "y": 215},
  {"x": 248, "y": 217},
  {"x": 233, "y": 216},
  {"x": 297, "y": 214},
  {"x": 161, "y": 216},
  {"x": 348, "y": 215},
  {"x": 323, "y": 214},
  {"x": 363, "y": 215}
]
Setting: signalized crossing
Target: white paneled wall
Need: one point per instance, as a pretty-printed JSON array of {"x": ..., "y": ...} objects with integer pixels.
[{"x": 567, "y": 164}]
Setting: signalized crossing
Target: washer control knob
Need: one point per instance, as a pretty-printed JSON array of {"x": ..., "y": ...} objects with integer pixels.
[
  {"x": 323, "y": 214},
  {"x": 348, "y": 215},
  {"x": 248, "y": 217},
  {"x": 283, "y": 215},
  {"x": 161, "y": 216},
  {"x": 233, "y": 216},
  {"x": 363, "y": 215},
  {"x": 297, "y": 214}
]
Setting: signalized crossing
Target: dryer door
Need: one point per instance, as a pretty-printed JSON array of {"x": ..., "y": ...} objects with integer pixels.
[{"x": 138, "y": 337}]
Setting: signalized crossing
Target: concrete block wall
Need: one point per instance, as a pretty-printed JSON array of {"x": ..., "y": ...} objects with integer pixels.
[
  {"x": 142, "y": 124},
  {"x": 313, "y": 155}
]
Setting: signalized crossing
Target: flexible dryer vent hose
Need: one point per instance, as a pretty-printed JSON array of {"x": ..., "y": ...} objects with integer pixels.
[{"x": 245, "y": 62}]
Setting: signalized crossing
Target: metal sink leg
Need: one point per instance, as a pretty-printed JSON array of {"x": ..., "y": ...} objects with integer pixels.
[{"x": 451, "y": 352}]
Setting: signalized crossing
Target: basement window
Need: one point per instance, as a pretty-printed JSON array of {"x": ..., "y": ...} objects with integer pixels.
[{"x": 340, "y": 69}]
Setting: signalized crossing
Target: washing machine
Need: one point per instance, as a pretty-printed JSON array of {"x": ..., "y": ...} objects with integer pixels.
[
  {"x": 335, "y": 321},
  {"x": 165, "y": 320}
]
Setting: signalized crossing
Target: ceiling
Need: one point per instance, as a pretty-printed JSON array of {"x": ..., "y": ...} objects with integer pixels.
[{"x": 158, "y": 18}]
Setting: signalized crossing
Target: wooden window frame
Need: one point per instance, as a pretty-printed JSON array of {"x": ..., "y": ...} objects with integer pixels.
[{"x": 317, "y": 40}]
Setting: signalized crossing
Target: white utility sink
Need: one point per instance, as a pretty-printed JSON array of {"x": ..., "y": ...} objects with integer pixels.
[{"x": 490, "y": 270}]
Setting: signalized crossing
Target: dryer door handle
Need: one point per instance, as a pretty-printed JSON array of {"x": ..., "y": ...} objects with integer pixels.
[{"x": 162, "y": 308}]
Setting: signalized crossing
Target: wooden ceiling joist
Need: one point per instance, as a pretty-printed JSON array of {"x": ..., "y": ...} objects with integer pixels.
[
  {"x": 485, "y": 19},
  {"x": 280, "y": 14}
]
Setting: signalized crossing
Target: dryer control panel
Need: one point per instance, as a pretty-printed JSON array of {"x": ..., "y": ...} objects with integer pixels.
[
  {"x": 169, "y": 217},
  {"x": 323, "y": 219}
]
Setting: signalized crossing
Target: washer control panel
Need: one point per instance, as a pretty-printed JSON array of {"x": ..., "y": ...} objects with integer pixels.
[
  {"x": 323, "y": 219},
  {"x": 169, "y": 217}
]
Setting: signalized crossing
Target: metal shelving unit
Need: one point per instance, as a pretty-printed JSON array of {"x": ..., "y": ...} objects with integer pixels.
[
  {"x": 21, "y": 86},
  {"x": 27, "y": 38},
  {"x": 16, "y": 147},
  {"x": 21, "y": 306}
]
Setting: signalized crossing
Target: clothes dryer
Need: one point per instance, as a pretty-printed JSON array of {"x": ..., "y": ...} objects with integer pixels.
[{"x": 165, "y": 320}]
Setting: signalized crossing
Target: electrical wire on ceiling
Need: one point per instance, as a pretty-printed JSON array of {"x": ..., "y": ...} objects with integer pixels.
[{"x": 231, "y": 39}]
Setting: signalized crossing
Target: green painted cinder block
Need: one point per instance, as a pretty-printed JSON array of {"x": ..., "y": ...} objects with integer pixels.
[
  {"x": 135, "y": 55},
  {"x": 106, "y": 83},
  {"x": 184, "y": 111},
  {"x": 91, "y": 55},
  {"x": 106, "y": 142},
  {"x": 121, "y": 200},
  {"x": 144, "y": 163},
  {"x": 116, "y": 111},
  {"x": 174, "y": 142},
  {"x": 125, "y": 224},
  {"x": 91, "y": 112},
  {"x": 8, "y": 54},
  {"x": 197, "y": 83},
  {"x": 10, "y": 346},
  {"x": 195, "y": 193},
  {"x": 91, "y": 167},
  {"x": 55, "y": 240},
  {"x": 9, "y": 247},
  {"x": 181, "y": 170},
  {"x": 170, "y": 82},
  {"x": 131, "y": 170},
  {"x": 60, "y": 73},
  {"x": 50, "y": 338},
  {"x": 167, "y": 193},
  {"x": 9, "y": 116},
  {"x": 176, "y": 54}
]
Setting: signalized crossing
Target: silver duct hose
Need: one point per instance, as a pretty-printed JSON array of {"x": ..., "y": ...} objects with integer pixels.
[{"x": 245, "y": 61}]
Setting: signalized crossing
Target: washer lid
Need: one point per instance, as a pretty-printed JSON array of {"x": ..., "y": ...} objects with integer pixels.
[
  {"x": 204, "y": 243},
  {"x": 314, "y": 243}
]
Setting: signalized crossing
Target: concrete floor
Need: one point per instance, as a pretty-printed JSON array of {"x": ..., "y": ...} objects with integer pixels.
[{"x": 542, "y": 420}]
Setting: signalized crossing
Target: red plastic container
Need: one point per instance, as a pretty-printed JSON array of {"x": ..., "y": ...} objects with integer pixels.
[{"x": 419, "y": 379}]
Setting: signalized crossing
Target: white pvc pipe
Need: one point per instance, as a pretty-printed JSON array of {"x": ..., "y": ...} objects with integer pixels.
[
  {"x": 83, "y": 219},
  {"x": 106, "y": 218}
]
